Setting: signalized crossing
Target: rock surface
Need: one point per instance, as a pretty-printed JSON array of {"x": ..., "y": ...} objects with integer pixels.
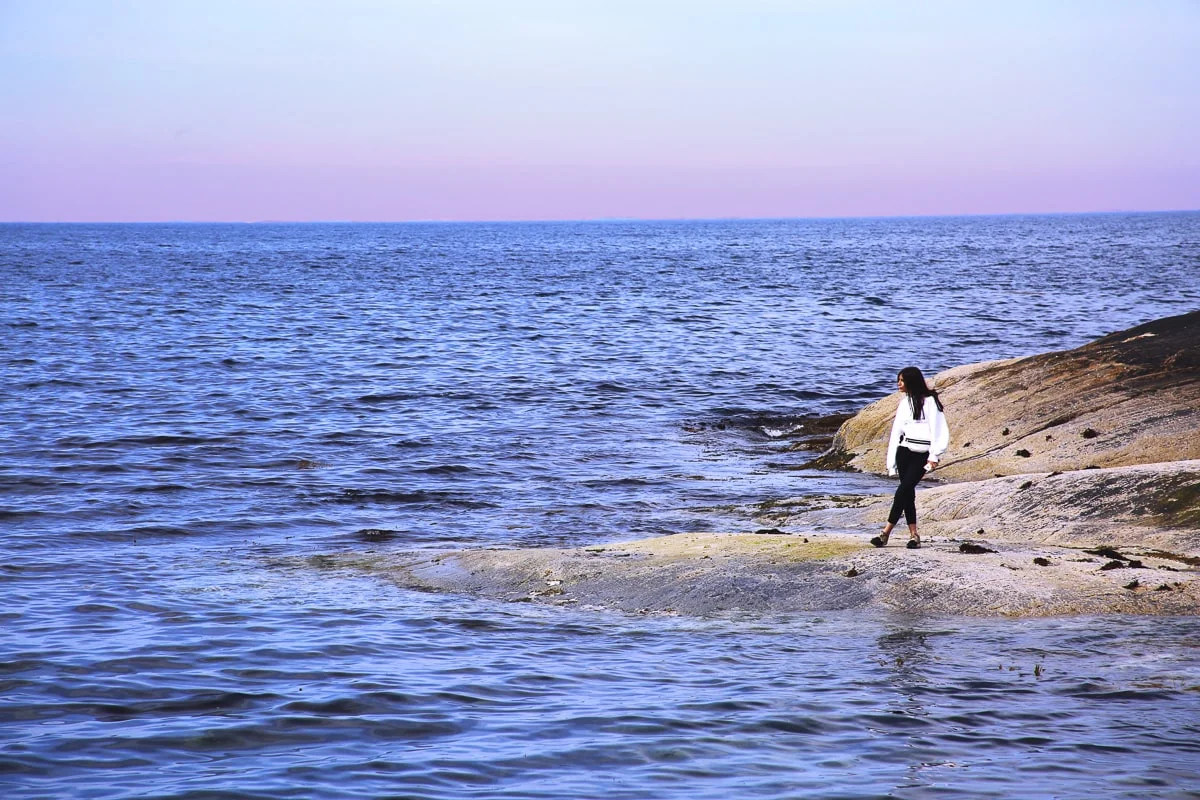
[
  {"x": 707, "y": 573},
  {"x": 1129, "y": 398},
  {"x": 1072, "y": 487},
  {"x": 1148, "y": 506}
]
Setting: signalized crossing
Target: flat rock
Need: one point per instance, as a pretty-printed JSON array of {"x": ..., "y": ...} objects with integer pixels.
[{"x": 706, "y": 574}]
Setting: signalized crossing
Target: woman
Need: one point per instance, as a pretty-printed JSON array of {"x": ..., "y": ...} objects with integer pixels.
[{"x": 919, "y": 437}]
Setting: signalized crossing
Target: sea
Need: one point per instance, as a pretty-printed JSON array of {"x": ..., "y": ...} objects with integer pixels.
[{"x": 190, "y": 412}]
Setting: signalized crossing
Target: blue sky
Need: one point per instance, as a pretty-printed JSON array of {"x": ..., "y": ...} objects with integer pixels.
[{"x": 562, "y": 110}]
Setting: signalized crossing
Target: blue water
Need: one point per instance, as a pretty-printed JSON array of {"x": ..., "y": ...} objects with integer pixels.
[{"x": 186, "y": 409}]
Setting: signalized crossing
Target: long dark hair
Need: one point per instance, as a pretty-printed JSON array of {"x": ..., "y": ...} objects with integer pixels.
[{"x": 917, "y": 390}]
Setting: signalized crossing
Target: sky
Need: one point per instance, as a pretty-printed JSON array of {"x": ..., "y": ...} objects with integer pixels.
[{"x": 250, "y": 110}]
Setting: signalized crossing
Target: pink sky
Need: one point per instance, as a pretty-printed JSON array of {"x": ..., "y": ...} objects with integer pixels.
[{"x": 461, "y": 109}]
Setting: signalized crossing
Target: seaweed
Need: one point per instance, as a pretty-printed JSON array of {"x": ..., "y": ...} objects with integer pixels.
[
  {"x": 1180, "y": 503},
  {"x": 834, "y": 459}
]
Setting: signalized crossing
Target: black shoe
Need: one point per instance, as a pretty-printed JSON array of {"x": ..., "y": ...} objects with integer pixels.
[
  {"x": 879, "y": 541},
  {"x": 913, "y": 544}
]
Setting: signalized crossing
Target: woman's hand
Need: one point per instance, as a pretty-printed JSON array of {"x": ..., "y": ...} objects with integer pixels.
[{"x": 930, "y": 466}]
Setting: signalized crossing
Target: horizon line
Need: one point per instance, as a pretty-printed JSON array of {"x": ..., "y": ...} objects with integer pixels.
[{"x": 594, "y": 219}]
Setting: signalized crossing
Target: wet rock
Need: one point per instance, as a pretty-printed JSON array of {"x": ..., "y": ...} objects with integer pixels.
[
  {"x": 1042, "y": 562},
  {"x": 1112, "y": 565},
  {"x": 376, "y": 534},
  {"x": 305, "y": 463},
  {"x": 974, "y": 549},
  {"x": 1133, "y": 584},
  {"x": 833, "y": 459}
]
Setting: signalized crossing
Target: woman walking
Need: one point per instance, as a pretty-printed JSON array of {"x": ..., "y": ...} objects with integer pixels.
[{"x": 919, "y": 437}]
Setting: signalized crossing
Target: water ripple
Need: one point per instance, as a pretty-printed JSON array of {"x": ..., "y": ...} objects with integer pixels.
[{"x": 193, "y": 410}]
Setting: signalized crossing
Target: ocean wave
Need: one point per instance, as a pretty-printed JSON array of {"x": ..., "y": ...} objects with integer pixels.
[{"x": 415, "y": 497}]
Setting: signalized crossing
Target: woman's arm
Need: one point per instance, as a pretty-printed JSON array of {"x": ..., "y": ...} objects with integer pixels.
[
  {"x": 939, "y": 432},
  {"x": 902, "y": 415}
]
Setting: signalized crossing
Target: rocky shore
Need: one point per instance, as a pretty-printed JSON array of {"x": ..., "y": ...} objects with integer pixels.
[{"x": 1072, "y": 487}]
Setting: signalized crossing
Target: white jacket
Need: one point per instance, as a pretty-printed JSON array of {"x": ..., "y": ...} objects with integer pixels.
[{"x": 931, "y": 426}]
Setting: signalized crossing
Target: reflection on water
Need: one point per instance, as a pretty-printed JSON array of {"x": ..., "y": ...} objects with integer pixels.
[{"x": 252, "y": 675}]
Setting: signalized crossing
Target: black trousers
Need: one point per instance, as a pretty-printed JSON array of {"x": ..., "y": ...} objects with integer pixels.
[{"x": 911, "y": 466}]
